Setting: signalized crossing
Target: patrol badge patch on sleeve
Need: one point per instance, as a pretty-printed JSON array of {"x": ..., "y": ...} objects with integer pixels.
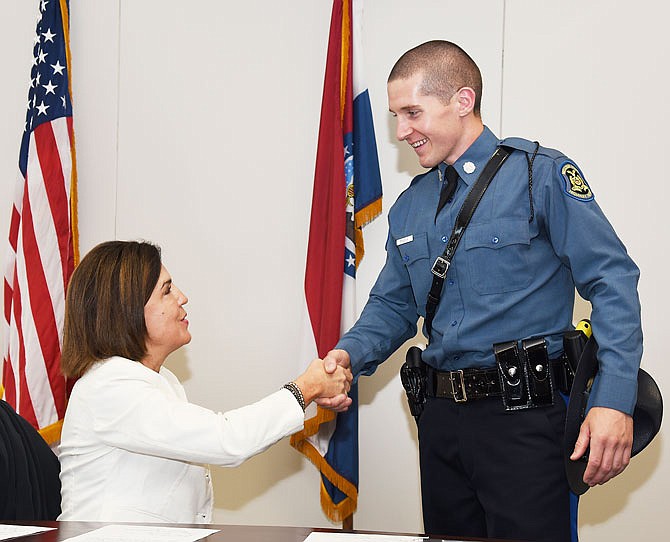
[{"x": 575, "y": 184}]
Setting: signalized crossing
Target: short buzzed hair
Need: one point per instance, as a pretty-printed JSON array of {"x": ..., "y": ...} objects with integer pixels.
[{"x": 446, "y": 68}]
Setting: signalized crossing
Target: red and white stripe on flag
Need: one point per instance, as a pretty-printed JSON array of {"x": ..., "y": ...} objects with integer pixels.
[{"x": 42, "y": 234}]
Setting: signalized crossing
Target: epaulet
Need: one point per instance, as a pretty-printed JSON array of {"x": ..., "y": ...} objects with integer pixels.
[{"x": 526, "y": 145}]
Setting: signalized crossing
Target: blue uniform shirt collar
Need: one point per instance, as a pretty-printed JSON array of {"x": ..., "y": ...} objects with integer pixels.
[{"x": 477, "y": 155}]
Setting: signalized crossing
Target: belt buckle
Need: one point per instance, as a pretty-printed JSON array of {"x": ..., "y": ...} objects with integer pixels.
[
  {"x": 440, "y": 267},
  {"x": 461, "y": 384}
]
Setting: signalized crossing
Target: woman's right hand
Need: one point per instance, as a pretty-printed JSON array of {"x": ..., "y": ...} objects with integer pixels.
[{"x": 315, "y": 382}]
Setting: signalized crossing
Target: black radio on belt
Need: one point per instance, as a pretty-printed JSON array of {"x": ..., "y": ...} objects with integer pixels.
[{"x": 526, "y": 377}]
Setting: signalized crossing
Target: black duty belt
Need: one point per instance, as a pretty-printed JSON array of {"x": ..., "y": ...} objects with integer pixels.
[{"x": 469, "y": 384}]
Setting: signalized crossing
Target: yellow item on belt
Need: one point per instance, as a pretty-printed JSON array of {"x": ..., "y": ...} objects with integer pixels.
[{"x": 585, "y": 327}]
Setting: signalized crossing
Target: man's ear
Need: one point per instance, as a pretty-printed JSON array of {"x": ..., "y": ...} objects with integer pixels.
[{"x": 466, "y": 100}]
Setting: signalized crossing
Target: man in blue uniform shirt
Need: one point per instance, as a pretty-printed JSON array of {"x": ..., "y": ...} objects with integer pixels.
[{"x": 536, "y": 235}]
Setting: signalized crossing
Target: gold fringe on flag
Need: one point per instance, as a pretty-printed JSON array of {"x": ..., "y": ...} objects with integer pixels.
[
  {"x": 74, "y": 196},
  {"x": 346, "y": 507},
  {"x": 51, "y": 433},
  {"x": 362, "y": 218}
]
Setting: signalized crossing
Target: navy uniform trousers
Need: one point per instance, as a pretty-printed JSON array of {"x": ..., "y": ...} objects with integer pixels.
[{"x": 486, "y": 472}]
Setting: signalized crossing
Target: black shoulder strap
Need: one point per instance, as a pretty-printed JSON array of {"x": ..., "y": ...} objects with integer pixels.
[{"x": 473, "y": 198}]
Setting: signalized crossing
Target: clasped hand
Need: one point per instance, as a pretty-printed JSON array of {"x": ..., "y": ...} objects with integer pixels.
[
  {"x": 333, "y": 362},
  {"x": 326, "y": 381}
]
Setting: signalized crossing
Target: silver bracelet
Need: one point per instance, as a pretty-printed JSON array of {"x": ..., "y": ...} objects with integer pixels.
[{"x": 297, "y": 393}]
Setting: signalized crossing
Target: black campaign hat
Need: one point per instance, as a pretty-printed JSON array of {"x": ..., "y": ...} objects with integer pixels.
[{"x": 646, "y": 417}]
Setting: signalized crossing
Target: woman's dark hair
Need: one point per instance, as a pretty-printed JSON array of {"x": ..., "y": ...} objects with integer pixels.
[{"x": 104, "y": 306}]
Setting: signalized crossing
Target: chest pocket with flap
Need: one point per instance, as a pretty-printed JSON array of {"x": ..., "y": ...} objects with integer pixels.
[{"x": 497, "y": 255}]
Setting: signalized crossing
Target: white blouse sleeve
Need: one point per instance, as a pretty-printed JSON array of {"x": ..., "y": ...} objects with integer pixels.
[{"x": 135, "y": 409}]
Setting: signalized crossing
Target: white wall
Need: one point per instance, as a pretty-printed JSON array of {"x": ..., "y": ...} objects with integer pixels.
[
  {"x": 592, "y": 79},
  {"x": 196, "y": 128}
]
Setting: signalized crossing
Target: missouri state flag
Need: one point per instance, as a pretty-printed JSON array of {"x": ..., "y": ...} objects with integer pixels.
[
  {"x": 42, "y": 233},
  {"x": 347, "y": 195}
]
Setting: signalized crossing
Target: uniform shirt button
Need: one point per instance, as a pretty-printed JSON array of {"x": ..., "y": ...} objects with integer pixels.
[
  {"x": 406, "y": 258},
  {"x": 454, "y": 323},
  {"x": 456, "y": 358},
  {"x": 444, "y": 238},
  {"x": 495, "y": 240},
  {"x": 451, "y": 282}
]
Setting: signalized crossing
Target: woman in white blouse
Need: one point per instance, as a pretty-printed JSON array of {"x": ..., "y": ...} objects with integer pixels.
[{"x": 132, "y": 447}]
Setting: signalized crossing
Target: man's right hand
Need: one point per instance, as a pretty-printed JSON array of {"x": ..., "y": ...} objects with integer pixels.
[{"x": 338, "y": 403}]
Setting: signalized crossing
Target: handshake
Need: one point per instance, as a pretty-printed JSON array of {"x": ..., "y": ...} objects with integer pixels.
[{"x": 327, "y": 381}]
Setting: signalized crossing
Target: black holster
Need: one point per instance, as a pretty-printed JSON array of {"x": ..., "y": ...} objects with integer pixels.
[
  {"x": 413, "y": 378},
  {"x": 574, "y": 342}
]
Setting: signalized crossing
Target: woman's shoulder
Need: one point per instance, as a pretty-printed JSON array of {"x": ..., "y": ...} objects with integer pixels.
[
  {"x": 104, "y": 383},
  {"x": 116, "y": 368},
  {"x": 116, "y": 375}
]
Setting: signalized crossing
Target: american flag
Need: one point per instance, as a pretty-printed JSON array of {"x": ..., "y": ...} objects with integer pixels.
[{"x": 42, "y": 233}]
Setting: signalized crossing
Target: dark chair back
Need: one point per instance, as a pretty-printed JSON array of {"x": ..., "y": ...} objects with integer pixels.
[{"x": 29, "y": 471}]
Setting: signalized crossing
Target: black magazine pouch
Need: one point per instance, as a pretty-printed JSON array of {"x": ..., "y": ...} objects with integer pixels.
[
  {"x": 538, "y": 372},
  {"x": 526, "y": 376},
  {"x": 510, "y": 372}
]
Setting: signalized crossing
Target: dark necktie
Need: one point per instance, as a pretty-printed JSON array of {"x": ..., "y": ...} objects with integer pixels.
[{"x": 448, "y": 188}]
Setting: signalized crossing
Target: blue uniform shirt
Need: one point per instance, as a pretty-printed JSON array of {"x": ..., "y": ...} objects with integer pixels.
[{"x": 511, "y": 278}]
